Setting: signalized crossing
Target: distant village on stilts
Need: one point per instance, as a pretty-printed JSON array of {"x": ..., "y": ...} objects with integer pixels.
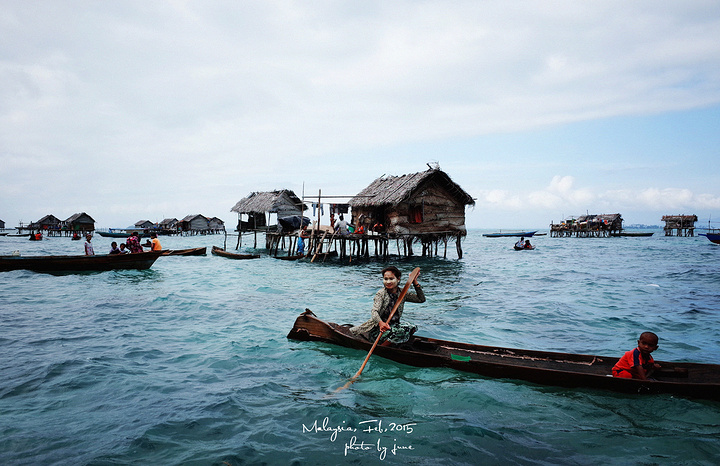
[{"x": 393, "y": 215}]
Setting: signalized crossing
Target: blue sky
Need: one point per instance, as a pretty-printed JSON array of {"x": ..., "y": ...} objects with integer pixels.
[{"x": 146, "y": 110}]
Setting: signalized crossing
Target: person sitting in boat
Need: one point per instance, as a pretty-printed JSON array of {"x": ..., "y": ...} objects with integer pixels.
[
  {"x": 124, "y": 249},
  {"x": 520, "y": 244},
  {"x": 114, "y": 248},
  {"x": 155, "y": 242},
  {"x": 638, "y": 363},
  {"x": 133, "y": 243},
  {"x": 527, "y": 244},
  {"x": 393, "y": 332}
]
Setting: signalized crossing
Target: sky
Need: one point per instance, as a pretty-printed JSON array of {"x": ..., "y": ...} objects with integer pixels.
[{"x": 540, "y": 110}]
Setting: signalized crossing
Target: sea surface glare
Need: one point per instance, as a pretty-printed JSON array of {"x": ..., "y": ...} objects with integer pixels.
[{"x": 188, "y": 362}]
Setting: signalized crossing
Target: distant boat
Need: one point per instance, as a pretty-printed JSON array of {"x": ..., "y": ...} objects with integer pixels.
[
  {"x": 118, "y": 233},
  {"x": 290, "y": 258},
  {"x": 713, "y": 237},
  {"x": 634, "y": 234},
  {"x": 527, "y": 234},
  {"x": 185, "y": 252},
  {"x": 231, "y": 255},
  {"x": 101, "y": 262}
]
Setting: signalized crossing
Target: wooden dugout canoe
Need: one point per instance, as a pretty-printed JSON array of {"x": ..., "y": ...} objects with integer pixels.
[
  {"x": 541, "y": 367},
  {"x": 100, "y": 262},
  {"x": 231, "y": 255},
  {"x": 185, "y": 252}
]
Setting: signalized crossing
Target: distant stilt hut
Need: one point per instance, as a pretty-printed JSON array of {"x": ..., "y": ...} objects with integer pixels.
[
  {"x": 588, "y": 226},
  {"x": 427, "y": 207},
  {"x": 258, "y": 207},
  {"x": 50, "y": 225},
  {"x": 195, "y": 224},
  {"x": 679, "y": 225},
  {"x": 80, "y": 223}
]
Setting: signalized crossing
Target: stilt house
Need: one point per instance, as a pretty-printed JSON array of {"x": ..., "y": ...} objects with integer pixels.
[
  {"x": 169, "y": 224},
  {"x": 588, "y": 226},
  {"x": 144, "y": 225},
  {"x": 216, "y": 225},
  {"x": 48, "y": 222},
  {"x": 679, "y": 225},
  {"x": 258, "y": 206},
  {"x": 82, "y": 223},
  {"x": 426, "y": 206},
  {"x": 195, "y": 224}
]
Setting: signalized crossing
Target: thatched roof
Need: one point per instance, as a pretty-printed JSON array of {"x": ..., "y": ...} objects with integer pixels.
[
  {"x": 392, "y": 190},
  {"x": 269, "y": 201},
  {"x": 82, "y": 217},
  {"x": 679, "y": 218},
  {"x": 46, "y": 220},
  {"x": 191, "y": 217}
]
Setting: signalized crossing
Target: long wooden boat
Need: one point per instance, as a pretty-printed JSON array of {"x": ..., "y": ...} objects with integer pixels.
[
  {"x": 185, "y": 252},
  {"x": 632, "y": 234},
  {"x": 541, "y": 367},
  {"x": 100, "y": 262},
  {"x": 231, "y": 255},
  {"x": 290, "y": 258},
  {"x": 526, "y": 234}
]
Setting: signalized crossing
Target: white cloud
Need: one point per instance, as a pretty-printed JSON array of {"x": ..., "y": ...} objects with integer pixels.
[{"x": 252, "y": 94}]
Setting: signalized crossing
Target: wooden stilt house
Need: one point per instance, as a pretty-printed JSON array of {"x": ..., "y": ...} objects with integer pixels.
[
  {"x": 588, "y": 226},
  {"x": 426, "y": 206},
  {"x": 81, "y": 223},
  {"x": 195, "y": 224},
  {"x": 679, "y": 225},
  {"x": 49, "y": 224},
  {"x": 258, "y": 207}
]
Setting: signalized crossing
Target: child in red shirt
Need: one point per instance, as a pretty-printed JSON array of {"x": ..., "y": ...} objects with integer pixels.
[{"x": 638, "y": 363}]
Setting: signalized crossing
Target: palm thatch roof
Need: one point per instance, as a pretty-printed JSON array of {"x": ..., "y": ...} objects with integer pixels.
[
  {"x": 269, "y": 201},
  {"x": 392, "y": 190},
  {"x": 81, "y": 217}
]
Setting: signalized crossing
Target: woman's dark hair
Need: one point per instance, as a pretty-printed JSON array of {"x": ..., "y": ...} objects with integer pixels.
[{"x": 393, "y": 269}]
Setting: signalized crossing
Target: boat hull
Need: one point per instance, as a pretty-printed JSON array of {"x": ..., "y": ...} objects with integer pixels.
[
  {"x": 231, "y": 255},
  {"x": 541, "y": 367},
  {"x": 97, "y": 263},
  {"x": 526, "y": 234},
  {"x": 713, "y": 237},
  {"x": 185, "y": 252}
]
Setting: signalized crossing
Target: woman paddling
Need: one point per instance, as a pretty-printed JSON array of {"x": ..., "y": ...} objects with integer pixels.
[{"x": 394, "y": 331}]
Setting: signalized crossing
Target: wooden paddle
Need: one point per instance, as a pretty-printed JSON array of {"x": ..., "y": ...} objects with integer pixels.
[{"x": 411, "y": 278}]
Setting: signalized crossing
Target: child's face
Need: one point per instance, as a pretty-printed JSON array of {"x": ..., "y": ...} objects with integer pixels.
[{"x": 647, "y": 345}]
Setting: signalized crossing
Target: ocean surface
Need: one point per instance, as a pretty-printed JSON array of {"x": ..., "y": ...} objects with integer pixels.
[{"x": 188, "y": 362}]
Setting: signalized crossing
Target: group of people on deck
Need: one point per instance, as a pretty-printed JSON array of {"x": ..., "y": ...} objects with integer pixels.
[
  {"x": 637, "y": 363},
  {"x": 131, "y": 245}
]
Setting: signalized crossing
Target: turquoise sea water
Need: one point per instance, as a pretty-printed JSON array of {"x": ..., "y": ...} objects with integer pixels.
[{"x": 188, "y": 362}]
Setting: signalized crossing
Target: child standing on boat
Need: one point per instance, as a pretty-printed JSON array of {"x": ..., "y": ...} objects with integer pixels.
[
  {"x": 638, "y": 363},
  {"x": 385, "y": 299}
]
